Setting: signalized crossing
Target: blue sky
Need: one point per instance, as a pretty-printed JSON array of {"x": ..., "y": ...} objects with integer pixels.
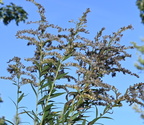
[{"x": 111, "y": 14}]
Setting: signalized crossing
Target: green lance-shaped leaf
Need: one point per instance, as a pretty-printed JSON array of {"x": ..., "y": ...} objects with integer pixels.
[
  {"x": 45, "y": 83},
  {"x": 48, "y": 83},
  {"x": 21, "y": 97},
  {"x": 13, "y": 102},
  {"x": 37, "y": 64},
  {"x": 22, "y": 107},
  {"x": 106, "y": 109},
  {"x": 96, "y": 112},
  {"x": 33, "y": 89},
  {"x": 42, "y": 99},
  {"x": 63, "y": 114},
  {"x": 66, "y": 107},
  {"x": 35, "y": 115},
  {"x": 96, "y": 119},
  {"x": 42, "y": 82},
  {"x": 66, "y": 116},
  {"x": 101, "y": 115},
  {"x": 61, "y": 75},
  {"x": 47, "y": 113},
  {"x": 48, "y": 107},
  {"x": 107, "y": 117},
  {"x": 44, "y": 86},
  {"x": 9, "y": 122},
  {"x": 57, "y": 94},
  {"x": 99, "y": 123},
  {"x": 44, "y": 70},
  {"x": 75, "y": 116},
  {"x": 67, "y": 56},
  {"x": 28, "y": 113},
  {"x": 66, "y": 111},
  {"x": 84, "y": 122},
  {"x": 93, "y": 121}
]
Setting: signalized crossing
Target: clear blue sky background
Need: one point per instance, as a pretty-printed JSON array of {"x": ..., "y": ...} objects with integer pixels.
[{"x": 111, "y": 14}]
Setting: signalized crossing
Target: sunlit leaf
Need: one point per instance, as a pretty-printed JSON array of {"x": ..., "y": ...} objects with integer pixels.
[
  {"x": 84, "y": 122},
  {"x": 75, "y": 116}
]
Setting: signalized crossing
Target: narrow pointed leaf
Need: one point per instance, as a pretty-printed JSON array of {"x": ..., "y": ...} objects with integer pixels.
[
  {"x": 21, "y": 97},
  {"x": 107, "y": 117},
  {"x": 43, "y": 86},
  {"x": 93, "y": 121},
  {"x": 42, "y": 99},
  {"x": 57, "y": 94},
  {"x": 9, "y": 122},
  {"x": 99, "y": 123},
  {"x": 96, "y": 112},
  {"x": 13, "y": 101},
  {"x": 28, "y": 113},
  {"x": 48, "y": 107},
  {"x": 75, "y": 115},
  {"x": 84, "y": 122},
  {"x": 22, "y": 107},
  {"x": 61, "y": 75},
  {"x": 37, "y": 64},
  {"x": 66, "y": 57},
  {"x": 36, "y": 117},
  {"x": 42, "y": 82},
  {"x": 33, "y": 89}
]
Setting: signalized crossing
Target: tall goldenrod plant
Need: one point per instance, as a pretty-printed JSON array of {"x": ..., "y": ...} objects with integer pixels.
[{"x": 54, "y": 55}]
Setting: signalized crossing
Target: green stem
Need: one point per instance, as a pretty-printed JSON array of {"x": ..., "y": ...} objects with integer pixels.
[
  {"x": 52, "y": 87},
  {"x": 17, "y": 104},
  {"x": 39, "y": 79},
  {"x": 36, "y": 110}
]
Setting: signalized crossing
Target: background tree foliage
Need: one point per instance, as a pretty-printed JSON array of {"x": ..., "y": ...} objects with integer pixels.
[
  {"x": 12, "y": 12},
  {"x": 140, "y": 64},
  {"x": 140, "y": 5}
]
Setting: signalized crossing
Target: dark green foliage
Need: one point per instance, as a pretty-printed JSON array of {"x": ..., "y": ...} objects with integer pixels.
[
  {"x": 12, "y": 12},
  {"x": 140, "y": 5},
  {"x": 1, "y": 99}
]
